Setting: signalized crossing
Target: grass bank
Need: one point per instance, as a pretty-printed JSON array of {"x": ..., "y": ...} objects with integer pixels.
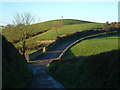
[
  {"x": 13, "y": 34},
  {"x": 93, "y": 46},
  {"x": 96, "y": 71}
]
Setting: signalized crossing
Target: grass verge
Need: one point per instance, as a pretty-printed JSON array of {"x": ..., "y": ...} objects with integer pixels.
[
  {"x": 93, "y": 46},
  {"x": 97, "y": 71}
]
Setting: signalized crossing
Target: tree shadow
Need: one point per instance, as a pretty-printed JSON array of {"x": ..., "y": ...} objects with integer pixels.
[
  {"x": 35, "y": 55},
  {"x": 68, "y": 55}
]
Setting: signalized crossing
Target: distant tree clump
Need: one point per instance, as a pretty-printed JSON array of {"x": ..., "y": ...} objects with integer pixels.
[
  {"x": 107, "y": 27},
  {"x": 115, "y": 25},
  {"x": 57, "y": 25}
]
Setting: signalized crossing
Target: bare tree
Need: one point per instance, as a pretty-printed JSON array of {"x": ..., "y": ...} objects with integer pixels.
[
  {"x": 21, "y": 20},
  {"x": 57, "y": 25}
]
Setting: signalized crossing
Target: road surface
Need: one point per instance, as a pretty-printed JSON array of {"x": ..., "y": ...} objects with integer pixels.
[
  {"x": 41, "y": 79},
  {"x": 55, "y": 52}
]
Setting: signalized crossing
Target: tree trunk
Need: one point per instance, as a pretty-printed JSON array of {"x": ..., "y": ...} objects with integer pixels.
[{"x": 23, "y": 48}]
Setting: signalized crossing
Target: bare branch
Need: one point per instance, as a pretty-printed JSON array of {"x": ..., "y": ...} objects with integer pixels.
[{"x": 23, "y": 19}]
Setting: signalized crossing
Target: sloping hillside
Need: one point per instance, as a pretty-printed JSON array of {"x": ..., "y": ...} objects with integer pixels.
[
  {"x": 32, "y": 30},
  {"x": 97, "y": 71},
  {"x": 65, "y": 30},
  {"x": 72, "y": 21},
  {"x": 15, "y": 72}
]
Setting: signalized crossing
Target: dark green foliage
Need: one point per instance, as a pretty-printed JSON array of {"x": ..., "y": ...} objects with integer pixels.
[
  {"x": 15, "y": 72},
  {"x": 97, "y": 71}
]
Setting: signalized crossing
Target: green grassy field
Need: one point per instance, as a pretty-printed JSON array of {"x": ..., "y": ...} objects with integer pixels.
[
  {"x": 70, "y": 26},
  {"x": 93, "y": 46},
  {"x": 12, "y": 33},
  {"x": 66, "y": 29},
  {"x": 51, "y": 34}
]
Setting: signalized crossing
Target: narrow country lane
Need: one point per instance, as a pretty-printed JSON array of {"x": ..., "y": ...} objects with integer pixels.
[
  {"x": 41, "y": 79},
  {"x": 55, "y": 52}
]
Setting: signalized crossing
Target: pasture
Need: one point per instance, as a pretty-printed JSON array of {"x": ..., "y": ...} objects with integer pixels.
[
  {"x": 51, "y": 34},
  {"x": 12, "y": 34},
  {"x": 93, "y": 46},
  {"x": 67, "y": 29},
  {"x": 46, "y": 31}
]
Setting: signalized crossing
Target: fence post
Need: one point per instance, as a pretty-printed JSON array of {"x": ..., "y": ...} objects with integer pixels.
[{"x": 44, "y": 49}]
